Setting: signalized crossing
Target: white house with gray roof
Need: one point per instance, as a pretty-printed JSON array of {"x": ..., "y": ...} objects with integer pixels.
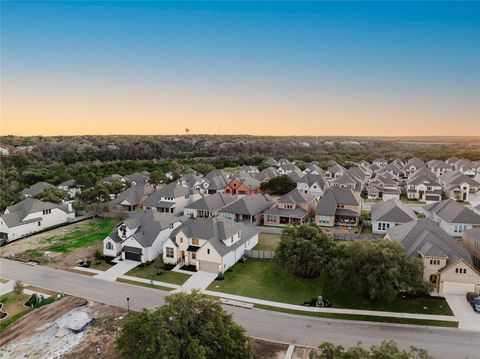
[
  {"x": 141, "y": 236},
  {"x": 208, "y": 205},
  {"x": 423, "y": 185},
  {"x": 36, "y": 188},
  {"x": 453, "y": 217},
  {"x": 30, "y": 216},
  {"x": 313, "y": 184},
  {"x": 70, "y": 186},
  {"x": 248, "y": 209},
  {"x": 459, "y": 186},
  {"x": 171, "y": 198},
  {"x": 388, "y": 214},
  {"x": 210, "y": 244},
  {"x": 132, "y": 198},
  {"x": 447, "y": 264}
]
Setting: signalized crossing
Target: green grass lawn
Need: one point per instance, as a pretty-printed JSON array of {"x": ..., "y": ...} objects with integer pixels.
[
  {"x": 148, "y": 285},
  {"x": 404, "y": 199},
  {"x": 267, "y": 242},
  {"x": 149, "y": 272},
  {"x": 81, "y": 236},
  {"x": 263, "y": 279}
]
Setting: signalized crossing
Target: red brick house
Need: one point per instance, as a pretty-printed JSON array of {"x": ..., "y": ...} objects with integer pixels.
[{"x": 243, "y": 186}]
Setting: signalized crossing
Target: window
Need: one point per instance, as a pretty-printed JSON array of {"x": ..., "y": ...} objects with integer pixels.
[
  {"x": 195, "y": 241},
  {"x": 39, "y": 224},
  {"x": 109, "y": 246},
  {"x": 194, "y": 255},
  {"x": 46, "y": 211},
  {"x": 208, "y": 250},
  {"x": 181, "y": 240},
  {"x": 169, "y": 252},
  {"x": 461, "y": 270}
]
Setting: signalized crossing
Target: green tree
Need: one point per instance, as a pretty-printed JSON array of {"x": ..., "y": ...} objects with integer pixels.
[
  {"x": 188, "y": 326},
  {"x": 387, "y": 349},
  {"x": 376, "y": 269},
  {"x": 203, "y": 168},
  {"x": 52, "y": 194},
  {"x": 18, "y": 287},
  {"x": 157, "y": 177},
  {"x": 116, "y": 186},
  {"x": 86, "y": 179},
  {"x": 304, "y": 250},
  {"x": 279, "y": 185}
]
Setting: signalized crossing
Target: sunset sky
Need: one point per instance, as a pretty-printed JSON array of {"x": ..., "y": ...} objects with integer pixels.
[{"x": 367, "y": 69}]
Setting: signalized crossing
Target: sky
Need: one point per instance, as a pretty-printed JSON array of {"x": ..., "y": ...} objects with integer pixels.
[{"x": 267, "y": 68}]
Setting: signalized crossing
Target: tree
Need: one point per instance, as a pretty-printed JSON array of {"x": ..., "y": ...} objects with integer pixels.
[
  {"x": 387, "y": 349},
  {"x": 116, "y": 186},
  {"x": 188, "y": 326},
  {"x": 203, "y": 168},
  {"x": 304, "y": 250},
  {"x": 18, "y": 287},
  {"x": 52, "y": 194},
  {"x": 157, "y": 177},
  {"x": 279, "y": 185},
  {"x": 375, "y": 269},
  {"x": 86, "y": 179}
]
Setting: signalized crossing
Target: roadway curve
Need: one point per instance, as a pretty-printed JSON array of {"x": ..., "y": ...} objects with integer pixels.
[{"x": 440, "y": 342}]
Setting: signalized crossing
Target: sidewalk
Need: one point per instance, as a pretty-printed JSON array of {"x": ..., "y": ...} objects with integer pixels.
[{"x": 375, "y": 313}]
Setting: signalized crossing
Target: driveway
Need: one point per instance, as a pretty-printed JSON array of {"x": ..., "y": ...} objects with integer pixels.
[
  {"x": 117, "y": 270},
  {"x": 467, "y": 318},
  {"x": 199, "y": 280}
]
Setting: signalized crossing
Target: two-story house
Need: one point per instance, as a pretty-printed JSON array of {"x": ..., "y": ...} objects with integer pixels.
[
  {"x": 243, "y": 186},
  {"x": 423, "y": 185},
  {"x": 209, "y": 244},
  {"x": 208, "y": 205},
  {"x": 30, "y": 216},
  {"x": 413, "y": 165},
  {"x": 313, "y": 184},
  {"x": 294, "y": 208},
  {"x": 338, "y": 206},
  {"x": 248, "y": 209},
  {"x": 459, "y": 186},
  {"x": 471, "y": 241},
  {"x": 141, "y": 236},
  {"x": 439, "y": 167},
  {"x": 171, "y": 199},
  {"x": 447, "y": 264},
  {"x": 131, "y": 199}
]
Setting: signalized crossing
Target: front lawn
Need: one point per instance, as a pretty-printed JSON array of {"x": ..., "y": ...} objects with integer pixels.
[
  {"x": 267, "y": 242},
  {"x": 81, "y": 236},
  {"x": 149, "y": 272},
  {"x": 264, "y": 279}
]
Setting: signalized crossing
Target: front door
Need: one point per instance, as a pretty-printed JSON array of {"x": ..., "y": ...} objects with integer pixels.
[{"x": 182, "y": 255}]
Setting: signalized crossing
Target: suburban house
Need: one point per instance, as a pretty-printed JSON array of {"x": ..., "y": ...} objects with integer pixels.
[
  {"x": 459, "y": 186},
  {"x": 313, "y": 169},
  {"x": 272, "y": 162},
  {"x": 471, "y": 241},
  {"x": 287, "y": 167},
  {"x": 313, "y": 184},
  {"x": 131, "y": 199},
  {"x": 339, "y": 206},
  {"x": 194, "y": 182},
  {"x": 423, "y": 185},
  {"x": 217, "y": 181},
  {"x": 293, "y": 208},
  {"x": 393, "y": 168},
  {"x": 208, "y": 205},
  {"x": 141, "y": 236},
  {"x": 347, "y": 181},
  {"x": 70, "y": 187},
  {"x": 446, "y": 262},
  {"x": 252, "y": 170},
  {"x": 439, "y": 167},
  {"x": 248, "y": 209},
  {"x": 466, "y": 167},
  {"x": 453, "y": 217},
  {"x": 243, "y": 186},
  {"x": 413, "y": 165},
  {"x": 334, "y": 171},
  {"x": 388, "y": 214},
  {"x": 114, "y": 177},
  {"x": 31, "y": 215},
  {"x": 171, "y": 199},
  {"x": 138, "y": 178},
  {"x": 383, "y": 187},
  {"x": 36, "y": 188},
  {"x": 380, "y": 162},
  {"x": 209, "y": 244},
  {"x": 266, "y": 174}
]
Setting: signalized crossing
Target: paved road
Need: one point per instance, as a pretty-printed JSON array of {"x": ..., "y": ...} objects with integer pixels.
[{"x": 443, "y": 343}]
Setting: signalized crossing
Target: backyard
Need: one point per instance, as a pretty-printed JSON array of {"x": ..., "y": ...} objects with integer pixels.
[
  {"x": 267, "y": 242},
  {"x": 264, "y": 279},
  {"x": 150, "y": 272}
]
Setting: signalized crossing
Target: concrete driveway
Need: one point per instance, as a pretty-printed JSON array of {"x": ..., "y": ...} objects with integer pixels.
[
  {"x": 117, "y": 270},
  {"x": 199, "y": 280},
  {"x": 466, "y": 316}
]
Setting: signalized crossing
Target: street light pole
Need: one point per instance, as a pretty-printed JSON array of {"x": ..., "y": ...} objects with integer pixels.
[{"x": 128, "y": 304}]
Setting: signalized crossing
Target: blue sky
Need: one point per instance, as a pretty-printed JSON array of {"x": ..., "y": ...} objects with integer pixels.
[{"x": 276, "y": 68}]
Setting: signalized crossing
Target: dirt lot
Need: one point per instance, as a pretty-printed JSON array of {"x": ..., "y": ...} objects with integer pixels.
[
  {"x": 267, "y": 350},
  {"x": 35, "y": 242}
]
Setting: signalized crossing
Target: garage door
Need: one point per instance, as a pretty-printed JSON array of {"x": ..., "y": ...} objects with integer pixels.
[
  {"x": 133, "y": 256},
  {"x": 457, "y": 288},
  {"x": 209, "y": 266}
]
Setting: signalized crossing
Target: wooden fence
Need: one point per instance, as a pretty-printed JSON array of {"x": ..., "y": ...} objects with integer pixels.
[{"x": 252, "y": 253}]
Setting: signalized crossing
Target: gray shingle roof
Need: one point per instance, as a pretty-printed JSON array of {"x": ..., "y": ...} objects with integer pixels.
[
  {"x": 295, "y": 196},
  {"x": 250, "y": 205},
  {"x": 212, "y": 202},
  {"x": 172, "y": 190},
  {"x": 392, "y": 211},
  {"x": 17, "y": 212},
  {"x": 133, "y": 195},
  {"x": 453, "y": 212},
  {"x": 37, "y": 188},
  {"x": 414, "y": 236},
  {"x": 266, "y": 174},
  {"x": 327, "y": 205},
  {"x": 297, "y": 212},
  {"x": 140, "y": 178}
]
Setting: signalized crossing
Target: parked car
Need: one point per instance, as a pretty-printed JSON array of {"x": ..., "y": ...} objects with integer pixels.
[{"x": 474, "y": 300}]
